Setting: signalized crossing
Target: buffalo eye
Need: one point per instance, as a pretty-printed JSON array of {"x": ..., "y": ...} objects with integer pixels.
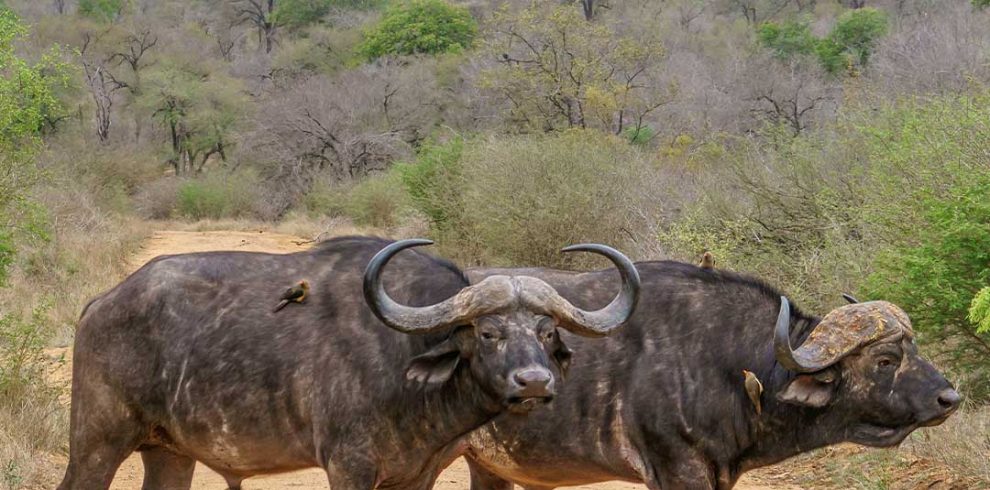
[
  {"x": 488, "y": 331},
  {"x": 885, "y": 363},
  {"x": 546, "y": 329}
]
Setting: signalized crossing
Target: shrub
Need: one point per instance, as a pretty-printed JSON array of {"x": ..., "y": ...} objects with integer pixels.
[
  {"x": 979, "y": 311},
  {"x": 787, "y": 39},
  {"x": 639, "y": 136},
  {"x": 219, "y": 195},
  {"x": 102, "y": 10},
  {"x": 936, "y": 275},
  {"x": 158, "y": 199},
  {"x": 377, "y": 201},
  {"x": 7, "y": 254},
  {"x": 560, "y": 71},
  {"x": 420, "y": 27},
  {"x": 858, "y": 31},
  {"x": 851, "y": 41},
  {"x": 524, "y": 198},
  {"x": 431, "y": 182},
  {"x": 324, "y": 199}
]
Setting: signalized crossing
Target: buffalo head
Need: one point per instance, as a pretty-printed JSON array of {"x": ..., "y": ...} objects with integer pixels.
[
  {"x": 862, "y": 363},
  {"x": 506, "y": 328}
]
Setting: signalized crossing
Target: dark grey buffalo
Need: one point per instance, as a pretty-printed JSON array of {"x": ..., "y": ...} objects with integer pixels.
[
  {"x": 665, "y": 400},
  {"x": 186, "y": 360}
]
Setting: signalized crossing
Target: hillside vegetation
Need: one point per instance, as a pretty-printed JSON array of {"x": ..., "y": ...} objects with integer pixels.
[{"x": 827, "y": 146}]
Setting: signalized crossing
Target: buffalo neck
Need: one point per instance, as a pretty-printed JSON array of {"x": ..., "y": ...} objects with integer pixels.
[
  {"x": 783, "y": 430},
  {"x": 429, "y": 420}
]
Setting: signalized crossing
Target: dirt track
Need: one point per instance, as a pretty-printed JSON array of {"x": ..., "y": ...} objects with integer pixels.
[{"x": 454, "y": 478}]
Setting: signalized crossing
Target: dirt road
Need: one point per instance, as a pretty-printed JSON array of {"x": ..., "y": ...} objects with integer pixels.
[{"x": 454, "y": 478}]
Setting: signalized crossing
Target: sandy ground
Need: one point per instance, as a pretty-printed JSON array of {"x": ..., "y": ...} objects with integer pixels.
[{"x": 454, "y": 478}]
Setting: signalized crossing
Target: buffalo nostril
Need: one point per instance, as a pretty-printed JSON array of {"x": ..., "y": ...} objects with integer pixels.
[
  {"x": 949, "y": 399},
  {"x": 532, "y": 379}
]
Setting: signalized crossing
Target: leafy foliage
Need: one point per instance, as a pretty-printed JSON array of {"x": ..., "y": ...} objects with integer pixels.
[
  {"x": 787, "y": 39},
  {"x": 557, "y": 70},
  {"x": 429, "y": 181},
  {"x": 936, "y": 278},
  {"x": 199, "y": 108},
  {"x": 218, "y": 195},
  {"x": 523, "y": 198},
  {"x": 102, "y": 10},
  {"x": 27, "y": 99},
  {"x": 420, "y": 27},
  {"x": 298, "y": 13},
  {"x": 850, "y": 42},
  {"x": 857, "y": 32},
  {"x": 979, "y": 311}
]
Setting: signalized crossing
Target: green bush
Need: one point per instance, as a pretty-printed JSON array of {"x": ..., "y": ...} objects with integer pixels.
[
  {"x": 217, "y": 196},
  {"x": 22, "y": 344},
  {"x": 937, "y": 273},
  {"x": 851, "y": 41},
  {"x": 7, "y": 255},
  {"x": 378, "y": 201},
  {"x": 431, "y": 182},
  {"x": 420, "y": 27},
  {"x": 522, "y": 199},
  {"x": 979, "y": 311},
  {"x": 858, "y": 31},
  {"x": 787, "y": 39},
  {"x": 324, "y": 199},
  {"x": 102, "y": 10},
  {"x": 639, "y": 136}
]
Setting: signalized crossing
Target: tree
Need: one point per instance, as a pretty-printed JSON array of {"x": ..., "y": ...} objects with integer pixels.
[
  {"x": 26, "y": 100},
  {"x": 298, "y": 13},
  {"x": 856, "y": 34},
  {"x": 260, "y": 14},
  {"x": 200, "y": 110},
  {"x": 849, "y": 44},
  {"x": 347, "y": 127},
  {"x": 555, "y": 70},
  {"x": 787, "y": 40},
  {"x": 420, "y": 27},
  {"x": 979, "y": 311},
  {"x": 101, "y": 10},
  {"x": 936, "y": 276},
  {"x": 102, "y": 83}
]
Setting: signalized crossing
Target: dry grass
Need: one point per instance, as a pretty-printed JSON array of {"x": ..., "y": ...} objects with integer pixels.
[
  {"x": 962, "y": 443},
  {"x": 954, "y": 455},
  {"x": 87, "y": 253}
]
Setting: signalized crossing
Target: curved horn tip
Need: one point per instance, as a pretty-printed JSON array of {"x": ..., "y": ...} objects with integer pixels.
[
  {"x": 589, "y": 247},
  {"x": 601, "y": 322},
  {"x": 374, "y": 291},
  {"x": 849, "y": 298}
]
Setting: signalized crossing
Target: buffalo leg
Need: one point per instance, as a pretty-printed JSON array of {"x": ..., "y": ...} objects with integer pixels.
[
  {"x": 166, "y": 470},
  {"x": 482, "y": 479},
  {"x": 685, "y": 473},
  {"x": 103, "y": 431}
]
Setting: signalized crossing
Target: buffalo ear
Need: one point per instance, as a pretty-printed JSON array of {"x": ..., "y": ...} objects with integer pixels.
[
  {"x": 811, "y": 390},
  {"x": 562, "y": 356},
  {"x": 436, "y": 365}
]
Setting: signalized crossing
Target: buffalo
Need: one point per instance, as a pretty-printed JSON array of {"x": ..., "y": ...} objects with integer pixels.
[
  {"x": 186, "y": 360},
  {"x": 704, "y": 383}
]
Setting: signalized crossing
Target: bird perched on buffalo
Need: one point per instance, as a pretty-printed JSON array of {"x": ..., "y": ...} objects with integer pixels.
[
  {"x": 295, "y": 294},
  {"x": 754, "y": 389},
  {"x": 707, "y": 261}
]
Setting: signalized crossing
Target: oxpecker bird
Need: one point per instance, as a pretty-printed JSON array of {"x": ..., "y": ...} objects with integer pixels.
[
  {"x": 295, "y": 294},
  {"x": 707, "y": 261},
  {"x": 754, "y": 389}
]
